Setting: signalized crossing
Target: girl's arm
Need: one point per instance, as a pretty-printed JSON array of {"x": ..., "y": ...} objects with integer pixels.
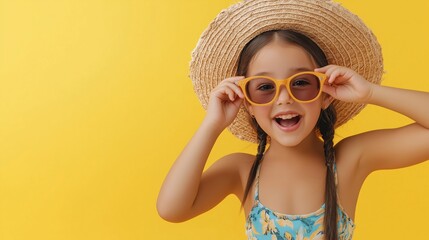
[
  {"x": 186, "y": 191},
  {"x": 388, "y": 148},
  {"x": 410, "y": 103}
]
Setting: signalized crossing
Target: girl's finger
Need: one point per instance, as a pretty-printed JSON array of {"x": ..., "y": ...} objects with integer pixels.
[
  {"x": 233, "y": 86},
  {"x": 329, "y": 71},
  {"x": 325, "y": 68},
  {"x": 334, "y": 75},
  {"x": 322, "y": 69},
  {"x": 233, "y": 79},
  {"x": 236, "y": 89},
  {"x": 231, "y": 94},
  {"x": 330, "y": 90}
]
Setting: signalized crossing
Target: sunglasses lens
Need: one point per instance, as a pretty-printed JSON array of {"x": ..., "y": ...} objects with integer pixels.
[
  {"x": 261, "y": 90},
  {"x": 305, "y": 87}
]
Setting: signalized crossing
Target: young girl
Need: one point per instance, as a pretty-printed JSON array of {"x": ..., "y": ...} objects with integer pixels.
[{"x": 292, "y": 71}]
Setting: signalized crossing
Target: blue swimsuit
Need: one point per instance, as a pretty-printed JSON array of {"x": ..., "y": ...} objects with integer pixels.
[{"x": 264, "y": 223}]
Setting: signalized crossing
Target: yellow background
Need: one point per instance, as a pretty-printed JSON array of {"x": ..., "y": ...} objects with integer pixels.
[{"x": 95, "y": 105}]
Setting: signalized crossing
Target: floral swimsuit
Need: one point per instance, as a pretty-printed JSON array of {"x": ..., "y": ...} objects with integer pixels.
[{"x": 265, "y": 223}]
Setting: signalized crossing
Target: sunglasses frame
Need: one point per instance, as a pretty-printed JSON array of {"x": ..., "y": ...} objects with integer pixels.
[{"x": 322, "y": 77}]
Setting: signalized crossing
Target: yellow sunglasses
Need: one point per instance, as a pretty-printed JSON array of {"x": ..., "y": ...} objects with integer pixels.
[{"x": 303, "y": 87}]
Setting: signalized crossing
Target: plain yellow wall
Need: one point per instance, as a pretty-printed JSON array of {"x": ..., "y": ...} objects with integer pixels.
[{"x": 96, "y": 103}]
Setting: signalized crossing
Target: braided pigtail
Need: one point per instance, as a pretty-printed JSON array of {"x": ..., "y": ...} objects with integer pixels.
[
  {"x": 262, "y": 140},
  {"x": 326, "y": 124}
]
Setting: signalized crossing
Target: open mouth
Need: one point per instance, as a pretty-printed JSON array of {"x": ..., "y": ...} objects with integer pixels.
[{"x": 288, "y": 120}]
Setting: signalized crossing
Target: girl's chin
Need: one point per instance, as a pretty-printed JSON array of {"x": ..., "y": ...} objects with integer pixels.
[
  {"x": 292, "y": 138},
  {"x": 290, "y": 141}
]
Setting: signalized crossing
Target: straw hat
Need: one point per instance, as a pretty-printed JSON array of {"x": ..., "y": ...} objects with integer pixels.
[{"x": 342, "y": 36}]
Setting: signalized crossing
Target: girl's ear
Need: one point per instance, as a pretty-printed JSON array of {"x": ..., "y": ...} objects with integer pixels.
[{"x": 326, "y": 101}]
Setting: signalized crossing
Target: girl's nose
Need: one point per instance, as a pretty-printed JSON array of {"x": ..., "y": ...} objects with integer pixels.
[{"x": 284, "y": 96}]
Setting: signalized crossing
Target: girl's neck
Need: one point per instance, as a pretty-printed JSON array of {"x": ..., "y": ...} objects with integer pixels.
[{"x": 310, "y": 148}]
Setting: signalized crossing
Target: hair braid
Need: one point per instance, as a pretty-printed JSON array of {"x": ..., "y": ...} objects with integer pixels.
[
  {"x": 262, "y": 140},
  {"x": 326, "y": 124}
]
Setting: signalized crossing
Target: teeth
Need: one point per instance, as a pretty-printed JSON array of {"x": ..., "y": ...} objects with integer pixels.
[{"x": 287, "y": 116}]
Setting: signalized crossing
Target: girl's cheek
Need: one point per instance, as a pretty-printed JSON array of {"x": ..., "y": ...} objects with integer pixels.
[{"x": 262, "y": 112}]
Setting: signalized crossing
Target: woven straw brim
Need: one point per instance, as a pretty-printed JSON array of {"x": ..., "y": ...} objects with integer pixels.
[{"x": 342, "y": 36}]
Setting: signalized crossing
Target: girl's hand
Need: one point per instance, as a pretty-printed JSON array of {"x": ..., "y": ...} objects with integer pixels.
[
  {"x": 345, "y": 84},
  {"x": 224, "y": 103}
]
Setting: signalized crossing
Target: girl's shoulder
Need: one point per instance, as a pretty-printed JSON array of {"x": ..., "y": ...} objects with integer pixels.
[
  {"x": 348, "y": 157},
  {"x": 347, "y": 152},
  {"x": 241, "y": 162},
  {"x": 240, "y": 157},
  {"x": 236, "y": 164}
]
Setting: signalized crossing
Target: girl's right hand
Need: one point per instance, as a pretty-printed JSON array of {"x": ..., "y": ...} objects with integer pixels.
[{"x": 224, "y": 103}]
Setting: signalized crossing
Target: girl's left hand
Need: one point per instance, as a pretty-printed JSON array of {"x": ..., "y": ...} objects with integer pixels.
[{"x": 345, "y": 84}]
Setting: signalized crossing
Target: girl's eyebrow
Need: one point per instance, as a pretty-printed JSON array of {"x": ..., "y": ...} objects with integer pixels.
[
  {"x": 292, "y": 70},
  {"x": 303, "y": 69},
  {"x": 262, "y": 74}
]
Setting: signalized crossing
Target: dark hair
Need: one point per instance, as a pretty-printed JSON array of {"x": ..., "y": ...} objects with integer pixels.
[{"x": 325, "y": 123}]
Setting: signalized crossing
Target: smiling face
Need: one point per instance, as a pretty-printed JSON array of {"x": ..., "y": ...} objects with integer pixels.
[{"x": 287, "y": 122}]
